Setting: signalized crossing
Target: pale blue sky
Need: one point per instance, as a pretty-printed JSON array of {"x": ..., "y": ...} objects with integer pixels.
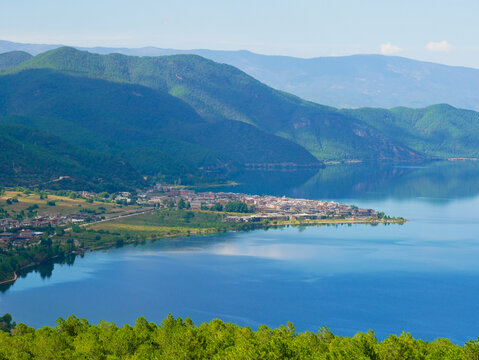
[{"x": 444, "y": 31}]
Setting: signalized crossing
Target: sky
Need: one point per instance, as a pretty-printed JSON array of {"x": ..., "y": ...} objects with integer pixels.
[{"x": 442, "y": 31}]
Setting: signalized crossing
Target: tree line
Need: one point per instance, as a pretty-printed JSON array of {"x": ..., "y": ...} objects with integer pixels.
[{"x": 175, "y": 338}]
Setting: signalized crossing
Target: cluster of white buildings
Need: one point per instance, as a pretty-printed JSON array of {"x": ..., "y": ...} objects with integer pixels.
[{"x": 266, "y": 206}]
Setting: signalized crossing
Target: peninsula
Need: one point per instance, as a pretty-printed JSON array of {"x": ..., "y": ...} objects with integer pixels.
[{"x": 37, "y": 226}]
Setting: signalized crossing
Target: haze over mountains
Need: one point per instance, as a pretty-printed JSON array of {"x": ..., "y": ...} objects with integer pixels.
[
  {"x": 186, "y": 118},
  {"x": 346, "y": 81}
]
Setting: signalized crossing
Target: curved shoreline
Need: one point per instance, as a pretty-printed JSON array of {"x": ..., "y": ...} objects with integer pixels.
[
  {"x": 10, "y": 280},
  {"x": 257, "y": 226}
]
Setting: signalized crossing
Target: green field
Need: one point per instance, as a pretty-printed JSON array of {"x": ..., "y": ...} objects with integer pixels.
[
  {"x": 63, "y": 204},
  {"x": 149, "y": 226}
]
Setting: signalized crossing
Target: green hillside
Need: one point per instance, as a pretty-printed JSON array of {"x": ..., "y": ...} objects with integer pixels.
[
  {"x": 437, "y": 131},
  {"x": 13, "y": 58},
  {"x": 221, "y": 92},
  {"x": 158, "y": 134},
  {"x": 34, "y": 158}
]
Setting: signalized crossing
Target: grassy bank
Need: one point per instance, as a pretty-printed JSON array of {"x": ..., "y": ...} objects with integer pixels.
[
  {"x": 153, "y": 225},
  {"x": 169, "y": 223}
]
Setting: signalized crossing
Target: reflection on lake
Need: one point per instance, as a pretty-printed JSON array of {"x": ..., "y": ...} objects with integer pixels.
[
  {"x": 422, "y": 277},
  {"x": 434, "y": 180}
]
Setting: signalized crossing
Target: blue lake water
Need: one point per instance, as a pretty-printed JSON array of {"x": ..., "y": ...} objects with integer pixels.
[{"x": 422, "y": 277}]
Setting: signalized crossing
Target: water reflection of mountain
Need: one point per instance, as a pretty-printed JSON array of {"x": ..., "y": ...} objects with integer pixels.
[
  {"x": 435, "y": 180},
  {"x": 45, "y": 269}
]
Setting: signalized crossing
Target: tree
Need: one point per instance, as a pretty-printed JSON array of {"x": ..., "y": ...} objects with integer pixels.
[
  {"x": 170, "y": 204},
  {"x": 217, "y": 207},
  {"x": 236, "y": 206},
  {"x": 6, "y": 323},
  {"x": 181, "y": 204}
]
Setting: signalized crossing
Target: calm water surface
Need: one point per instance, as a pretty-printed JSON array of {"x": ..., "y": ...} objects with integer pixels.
[{"x": 422, "y": 277}]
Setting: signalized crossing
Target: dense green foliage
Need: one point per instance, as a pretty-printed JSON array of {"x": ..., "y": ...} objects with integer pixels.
[
  {"x": 237, "y": 207},
  {"x": 438, "y": 131},
  {"x": 13, "y": 58},
  {"x": 6, "y": 323},
  {"x": 32, "y": 157},
  {"x": 175, "y": 338}
]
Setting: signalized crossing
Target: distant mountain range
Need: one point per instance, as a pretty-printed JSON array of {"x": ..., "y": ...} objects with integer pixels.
[
  {"x": 345, "y": 81},
  {"x": 188, "y": 119}
]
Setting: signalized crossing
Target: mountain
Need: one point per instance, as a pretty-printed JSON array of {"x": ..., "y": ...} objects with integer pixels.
[
  {"x": 34, "y": 49},
  {"x": 220, "y": 92},
  {"x": 343, "y": 81},
  {"x": 360, "y": 80},
  {"x": 158, "y": 134},
  {"x": 35, "y": 158},
  {"x": 187, "y": 118},
  {"x": 12, "y": 59}
]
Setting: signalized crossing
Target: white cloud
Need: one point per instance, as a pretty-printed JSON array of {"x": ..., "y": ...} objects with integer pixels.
[
  {"x": 389, "y": 49},
  {"x": 439, "y": 46}
]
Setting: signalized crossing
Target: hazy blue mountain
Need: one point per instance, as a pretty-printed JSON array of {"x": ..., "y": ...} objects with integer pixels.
[
  {"x": 34, "y": 49},
  {"x": 361, "y": 80},
  {"x": 346, "y": 81},
  {"x": 220, "y": 92}
]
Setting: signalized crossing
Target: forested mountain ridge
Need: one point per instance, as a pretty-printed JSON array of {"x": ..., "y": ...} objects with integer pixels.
[
  {"x": 158, "y": 134},
  {"x": 187, "y": 118},
  {"x": 221, "y": 92}
]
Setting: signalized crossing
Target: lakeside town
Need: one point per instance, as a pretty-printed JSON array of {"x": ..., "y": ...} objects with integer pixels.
[
  {"x": 262, "y": 207},
  {"x": 248, "y": 208}
]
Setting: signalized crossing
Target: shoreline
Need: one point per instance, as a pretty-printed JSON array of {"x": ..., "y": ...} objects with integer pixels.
[
  {"x": 342, "y": 221},
  {"x": 10, "y": 280},
  {"x": 200, "y": 232}
]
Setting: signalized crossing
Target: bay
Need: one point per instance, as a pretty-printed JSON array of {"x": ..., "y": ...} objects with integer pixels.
[{"x": 421, "y": 277}]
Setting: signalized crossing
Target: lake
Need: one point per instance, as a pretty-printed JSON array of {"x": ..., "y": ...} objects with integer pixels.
[{"x": 421, "y": 277}]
